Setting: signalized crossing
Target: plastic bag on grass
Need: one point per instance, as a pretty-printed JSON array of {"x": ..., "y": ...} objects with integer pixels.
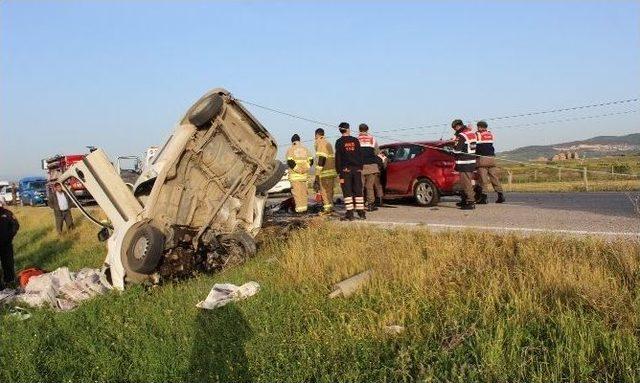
[{"x": 223, "y": 293}]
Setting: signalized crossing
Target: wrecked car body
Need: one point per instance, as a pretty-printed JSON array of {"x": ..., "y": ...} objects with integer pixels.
[{"x": 200, "y": 203}]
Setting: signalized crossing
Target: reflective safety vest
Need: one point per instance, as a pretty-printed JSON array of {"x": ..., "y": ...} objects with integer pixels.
[
  {"x": 324, "y": 149},
  {"x": 484, "y": 146},
  {"x": 300, "y": 155},
  {"x": 369, "y": 147},
  {"x": 465, "y": 149}
]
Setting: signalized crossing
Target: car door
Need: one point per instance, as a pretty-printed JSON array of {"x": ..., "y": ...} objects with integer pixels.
[{"x": 402, "y": 169}]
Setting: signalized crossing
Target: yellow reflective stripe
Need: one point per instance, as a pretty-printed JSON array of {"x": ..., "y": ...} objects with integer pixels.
[
  {"x": 323, "y": 154},
  {"x": 289, "y": 158},
  {"x": 328, "y": 173},
  {"x": 297, "y": 177}
]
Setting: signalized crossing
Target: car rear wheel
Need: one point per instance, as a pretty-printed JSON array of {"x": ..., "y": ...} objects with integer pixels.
[
  {"x": 205, "y": 110},
  {"x": 266, "y": 184},
  {"x": 426, "y": 193},
  {"x": 144, "y": 249}
]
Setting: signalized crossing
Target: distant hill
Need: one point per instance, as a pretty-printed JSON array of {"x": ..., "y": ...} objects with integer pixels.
[{"x": 593, "y": 147}]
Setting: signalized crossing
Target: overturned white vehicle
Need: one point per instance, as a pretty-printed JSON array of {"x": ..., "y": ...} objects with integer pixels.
[{"x": 198, "y": 206}]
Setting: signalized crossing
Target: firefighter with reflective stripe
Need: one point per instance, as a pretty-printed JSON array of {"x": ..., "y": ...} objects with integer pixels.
[
  {"x": 299, "y": 163},
  {"x": 325, "y": 171},
  {"x": 349, "y": 166},
  {"x": 488, "y": 172},
  {"x": 464, "y": 150},
  {"x": 370, "y": 167}
]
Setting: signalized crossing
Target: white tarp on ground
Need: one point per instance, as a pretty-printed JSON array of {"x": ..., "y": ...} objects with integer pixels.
[
  {"x": 59, "y": 289},
  {"x": 223, "y": 293}
]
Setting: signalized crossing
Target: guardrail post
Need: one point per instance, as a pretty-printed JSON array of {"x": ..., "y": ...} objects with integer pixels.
[
  {"x": 510, "y": 179},
  {"x": 584, "y": 178},
  {"x": 535, "y": 175},
  {"x": 559, "y": 174}
]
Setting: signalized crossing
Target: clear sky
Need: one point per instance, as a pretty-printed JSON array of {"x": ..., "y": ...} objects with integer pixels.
[{"x": 119, "y": 74}]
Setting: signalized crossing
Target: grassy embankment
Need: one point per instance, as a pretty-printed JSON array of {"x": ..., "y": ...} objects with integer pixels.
[
  {"x": 475, "y": 306},
  {"x": 535, "y": 177}
]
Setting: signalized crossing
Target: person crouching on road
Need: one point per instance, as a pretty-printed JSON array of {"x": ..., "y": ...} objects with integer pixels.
[
  {"x": 299, "y": 163},
  {"x": 9, "y": 227},
  {"x": 486, "y": 163},
  {"x": 464, "y": 150},
  {"x": 325, "y": 171},
  {"x": 370, "y": 168},
  {"x": 60, "y": 202},
  {"x": 349, "y": 165}
]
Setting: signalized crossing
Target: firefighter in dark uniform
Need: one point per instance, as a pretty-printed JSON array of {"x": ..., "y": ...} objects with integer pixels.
[
  {"x": 488, "y": 172},
  {"x": 349, "y": 165},
  {"x": 464, "y": 150},
  {"x": 8, "y": 228}
]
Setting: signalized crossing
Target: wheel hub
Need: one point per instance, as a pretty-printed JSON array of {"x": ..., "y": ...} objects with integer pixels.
[{"x": 141, "y": 247}]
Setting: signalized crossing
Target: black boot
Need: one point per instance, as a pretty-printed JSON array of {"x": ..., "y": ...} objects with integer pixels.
[
  {"x": 477, "y": 190},
  {"x": 361, "y": 214},
  {"x": 371, "y": 207},
  {"x": 500, "y": 198},
  {"x": 468, "y": 205},
  {"x": 380, "y": 202},
  {"x": 348, "y": 216},
  {"x": 481, "y": 199}
]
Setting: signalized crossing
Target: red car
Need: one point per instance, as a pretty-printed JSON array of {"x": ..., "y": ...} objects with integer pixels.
[{"x": 415, "y": 170}]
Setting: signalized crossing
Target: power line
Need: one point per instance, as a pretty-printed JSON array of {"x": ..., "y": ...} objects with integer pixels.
[
  {"x": 274, "y": 110},
  {"x": 435, "y": 125},
  {"x": 546, "y": 122},
  {"x": 557, "y": 110}
]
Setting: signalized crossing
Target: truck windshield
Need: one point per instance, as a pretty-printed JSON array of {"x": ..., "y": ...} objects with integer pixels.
[{"x": 37, "y": 185}]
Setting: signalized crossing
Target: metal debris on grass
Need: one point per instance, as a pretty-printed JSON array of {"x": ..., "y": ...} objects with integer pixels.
[{"x": 349, "y": 286}]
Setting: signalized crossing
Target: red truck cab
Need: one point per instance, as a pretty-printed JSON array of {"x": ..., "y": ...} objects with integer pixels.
[
  {"x": 420, "y": 170},
  {"x": 57, "y": 165}
]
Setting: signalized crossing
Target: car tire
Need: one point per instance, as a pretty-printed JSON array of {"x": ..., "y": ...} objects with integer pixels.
[
  {"x": 426, "y": 193},
  {"x": 238, "y": 246},
  {"x": 271, "y": 181},
  {"x": 205, "y": 110},
  {"x": 144, "y": 249}
]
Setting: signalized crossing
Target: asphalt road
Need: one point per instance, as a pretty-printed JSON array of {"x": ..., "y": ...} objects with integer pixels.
[{"x": 606, "y": 213}]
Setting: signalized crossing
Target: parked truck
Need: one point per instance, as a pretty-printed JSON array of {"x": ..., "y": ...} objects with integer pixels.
[
  {"x": 58, "y": 164},
  {"x": 199, "y": 204}
]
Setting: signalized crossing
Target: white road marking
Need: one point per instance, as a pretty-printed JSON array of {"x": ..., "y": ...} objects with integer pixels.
[{"x": 501, "y": 228}]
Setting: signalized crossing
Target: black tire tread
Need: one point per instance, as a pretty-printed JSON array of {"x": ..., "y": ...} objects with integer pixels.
[
  {"x": 155, "y": 239},
  {"x": 273, "y": 179}
]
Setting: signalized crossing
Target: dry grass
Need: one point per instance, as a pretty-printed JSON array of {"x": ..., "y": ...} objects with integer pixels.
[{"x": 476, "y": 307}]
